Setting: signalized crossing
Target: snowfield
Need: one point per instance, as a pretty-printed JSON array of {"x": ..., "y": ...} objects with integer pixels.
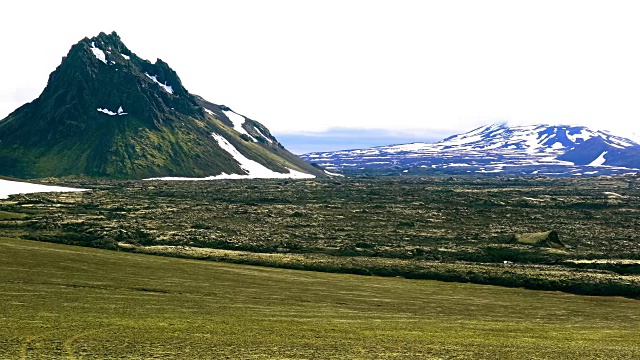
[
  {"x": 8, "y": 187},
  {"x": 166, "y": 87}
]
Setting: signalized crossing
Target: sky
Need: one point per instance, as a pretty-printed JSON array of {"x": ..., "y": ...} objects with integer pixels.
[{"x": 332, "y": 75}]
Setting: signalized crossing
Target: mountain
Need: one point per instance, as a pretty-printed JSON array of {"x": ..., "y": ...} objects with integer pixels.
[
  {"x": 555, "y": 150},
  {"x": 105, "y": 112}
]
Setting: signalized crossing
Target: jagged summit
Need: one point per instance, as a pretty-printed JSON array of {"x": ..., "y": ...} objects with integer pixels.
[
  {"x": 106, "y": 112},
  {"x": 498, "y": 148}
]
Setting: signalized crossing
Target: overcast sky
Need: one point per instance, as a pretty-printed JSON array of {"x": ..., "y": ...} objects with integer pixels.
[{"x": 422, "y": 68}]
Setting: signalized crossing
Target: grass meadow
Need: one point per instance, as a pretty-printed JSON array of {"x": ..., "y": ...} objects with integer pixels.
[{"x": 60, "y": 301}]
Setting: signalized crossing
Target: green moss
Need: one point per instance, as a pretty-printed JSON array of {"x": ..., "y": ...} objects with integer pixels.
[{"x": 7, "y": 215}]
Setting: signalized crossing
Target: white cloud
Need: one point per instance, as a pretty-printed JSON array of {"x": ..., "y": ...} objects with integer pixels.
[{"x": 311, "y": 66}]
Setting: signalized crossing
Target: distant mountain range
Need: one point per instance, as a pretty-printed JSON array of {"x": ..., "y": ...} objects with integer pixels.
[
  {"x": 105, "y": 112},
  {"x": 551, "y": 150}
]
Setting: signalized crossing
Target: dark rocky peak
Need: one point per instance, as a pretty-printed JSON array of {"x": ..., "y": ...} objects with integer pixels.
[
  {"x": 106, "y": 112},
  {"x": 108, "y": 42},
  {"x": 100, "y": 76},
  {"x": 105, "y": 48},
  {"x": 164, "y": 76}
]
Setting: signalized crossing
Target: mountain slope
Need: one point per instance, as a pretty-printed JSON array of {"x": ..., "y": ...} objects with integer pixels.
[
  {"x": 535, "y": 149},
  {"x": 108, "y": 113}
]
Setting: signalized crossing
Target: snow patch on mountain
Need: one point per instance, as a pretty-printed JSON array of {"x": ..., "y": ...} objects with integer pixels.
[
  {"x": 107, "y": 111},
  {"x": 583, "y": 135},
  {"x": 166, "y": 87},
  {"x": 264, "y": 136},
  {"x": 237, "y": 121},
  {"x": 253, "y": 169},
  {"x": 112, "y": 113},
  {"x": 126, "y": 57},
  {"x": 600, "y": 160},
  {"x": 8, "y": 187},
  {"x": 98, "y": 53}
]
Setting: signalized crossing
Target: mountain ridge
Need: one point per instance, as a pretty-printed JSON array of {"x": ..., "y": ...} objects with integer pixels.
[
  {"x": 106, "y": 112},
  {"x": 556, "y": 150}
]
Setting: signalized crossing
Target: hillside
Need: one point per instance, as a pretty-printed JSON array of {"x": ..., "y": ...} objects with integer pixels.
[{"x": 107, "y": 113}]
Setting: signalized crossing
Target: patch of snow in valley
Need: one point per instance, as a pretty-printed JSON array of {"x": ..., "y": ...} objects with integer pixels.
[
  {"x": 599, "y": 161},
  {"x": 8, "y": 187},
  {"x": 209, "y": 112},
  {"x": 166, "y": 87},
  {"x": 126, "y": 57},
  {"x": 98, "y": 53},
  {"x": 253, "y": 169}
]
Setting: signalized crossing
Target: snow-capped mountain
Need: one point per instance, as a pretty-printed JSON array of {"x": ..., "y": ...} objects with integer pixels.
[
  {"x": 533, "y": 149},
  {"x": 106, "y": 112}
]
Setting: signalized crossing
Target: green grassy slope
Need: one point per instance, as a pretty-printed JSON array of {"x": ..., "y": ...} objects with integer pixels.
[{"x": 59, "y": 301}]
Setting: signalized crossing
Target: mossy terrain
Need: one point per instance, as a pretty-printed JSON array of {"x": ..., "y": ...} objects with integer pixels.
[
  {"x": 59, "y": 301},
  {"x": 426, "y": 228},
  {"x": 6, "y": 215}
]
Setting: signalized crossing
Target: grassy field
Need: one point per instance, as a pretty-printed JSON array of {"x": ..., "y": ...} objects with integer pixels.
[{"x": 59, "y": 301}]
